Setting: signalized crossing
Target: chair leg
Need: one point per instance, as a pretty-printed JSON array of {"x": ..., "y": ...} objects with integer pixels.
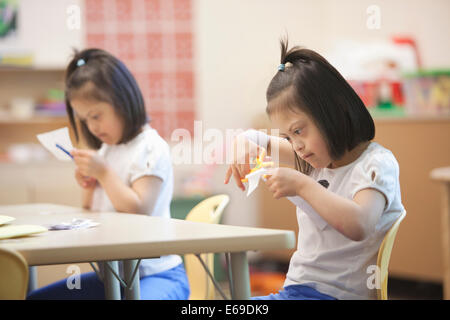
[
  {"x": 230, "y": 275},
  {"x": 212, "y": 277}
]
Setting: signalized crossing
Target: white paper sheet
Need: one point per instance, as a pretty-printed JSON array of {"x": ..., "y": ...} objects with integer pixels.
[
  {"x": 59, "y": 136},
  {"x": 253, "y": 179}
]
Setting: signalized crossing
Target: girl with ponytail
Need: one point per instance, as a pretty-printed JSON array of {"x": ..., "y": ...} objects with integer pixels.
[{"x": 345, "y": 186}]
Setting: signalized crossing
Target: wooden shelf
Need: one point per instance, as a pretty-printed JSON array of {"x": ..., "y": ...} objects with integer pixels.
[
  {"x": 18, "y": 131},
  {"x": 400, "y": 114},
  {"x": 34, "y": 120},
  {"x": 414, "y": 118},
  {"x": 32, "y": 69}
]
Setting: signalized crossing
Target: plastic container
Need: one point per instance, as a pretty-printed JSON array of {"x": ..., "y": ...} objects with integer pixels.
[{"x": 427, "y": 92}]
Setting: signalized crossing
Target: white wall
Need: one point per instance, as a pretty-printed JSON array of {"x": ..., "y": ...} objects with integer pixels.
[
  {"x": 237, "y": 52},
  {"x": 43, "y": 30}
]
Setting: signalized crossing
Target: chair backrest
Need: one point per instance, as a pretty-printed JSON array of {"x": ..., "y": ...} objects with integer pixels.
[
  {"x": 13, "y": 275},
  {"x": 384, "y": 255},
  {"x": 208, "y": 211}
]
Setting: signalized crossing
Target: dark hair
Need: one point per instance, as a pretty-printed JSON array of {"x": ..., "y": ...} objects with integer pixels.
[
  {"x": 315, "y": 87},
  {"x": 112, "y": 83}
]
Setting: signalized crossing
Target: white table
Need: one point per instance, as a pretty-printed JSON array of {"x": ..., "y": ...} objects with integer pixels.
[{"x": 128, "y": 237}]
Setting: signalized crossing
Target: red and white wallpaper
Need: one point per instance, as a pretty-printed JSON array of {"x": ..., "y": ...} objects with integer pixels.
[{"x": 154, "y": 38}]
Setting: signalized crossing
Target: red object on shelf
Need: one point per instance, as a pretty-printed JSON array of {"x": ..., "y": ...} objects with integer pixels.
[
  {"x": 368, "y": 91},
  {"x": 397, "y": 93},
  {"x": 412, "y": 43}
]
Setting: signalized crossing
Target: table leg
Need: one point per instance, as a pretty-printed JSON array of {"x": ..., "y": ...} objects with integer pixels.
[
  {"x": 32, "y": 279},
  {"x": 241, "y": 277},
  {"x": 446, "y": 240},
  {"x": 130, "y": 270},
  {"x": 111, "y": 283}
]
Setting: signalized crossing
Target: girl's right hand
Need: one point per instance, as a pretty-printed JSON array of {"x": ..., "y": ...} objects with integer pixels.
[
  {"x": 243, "y": 151},
  {"x": 83, "y": 181}
]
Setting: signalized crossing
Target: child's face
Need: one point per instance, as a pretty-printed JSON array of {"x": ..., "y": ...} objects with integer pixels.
[
  {"x": 100, "y": 118},
  {"x": 304, "y": 136}
]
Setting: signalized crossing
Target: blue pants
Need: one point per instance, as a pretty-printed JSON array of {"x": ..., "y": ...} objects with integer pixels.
[
  {"x": 168, "y": 285},
  {"x": 296, "y": 292}
]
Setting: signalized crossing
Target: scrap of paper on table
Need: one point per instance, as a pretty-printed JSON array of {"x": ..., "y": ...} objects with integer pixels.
[
  {"x": 59, "y": 136},
  {"x": 74, "y": 224}
]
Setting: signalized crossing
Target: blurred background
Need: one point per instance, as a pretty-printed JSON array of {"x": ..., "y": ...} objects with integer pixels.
[{"x": 211, "y": 61}]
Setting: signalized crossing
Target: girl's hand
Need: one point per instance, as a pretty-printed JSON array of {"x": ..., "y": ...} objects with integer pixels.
[
  {"x": 242, "y": 150},
  {"x": 284, "y": 182},
  {"x": 89, "y": 163},
  {"x": 83, "y": 181}
]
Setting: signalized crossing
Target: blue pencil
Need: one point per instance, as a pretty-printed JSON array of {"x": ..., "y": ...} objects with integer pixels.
[{"x": 64, "y": 150}]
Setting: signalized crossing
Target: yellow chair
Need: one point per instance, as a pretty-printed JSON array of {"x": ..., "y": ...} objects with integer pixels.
[
  {"x": 13, "y": 275},
  {"x": 384, "y": 254},
  {"x": 208, "y": 211}
]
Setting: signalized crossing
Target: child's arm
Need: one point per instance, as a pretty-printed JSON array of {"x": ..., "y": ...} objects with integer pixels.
[
  {"x": 248, "y": 145},
  {"x": 134, "y": 199},
  {"x": 88, "y": 185},
  {"x": 355, "y": 219},
  {"x": 139, "y": 198},
  {"x": 86, "y": 198}
]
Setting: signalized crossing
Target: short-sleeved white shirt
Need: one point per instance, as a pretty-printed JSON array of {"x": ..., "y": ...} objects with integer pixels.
[
  {"x": 327, "y": 260},
  {"x": 145, "y": 155}
]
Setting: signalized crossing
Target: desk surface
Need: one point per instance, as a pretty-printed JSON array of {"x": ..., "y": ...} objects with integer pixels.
[{"x": 129, "y": 236}]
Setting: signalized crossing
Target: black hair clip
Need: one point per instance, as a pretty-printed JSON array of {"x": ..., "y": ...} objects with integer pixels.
[{"x": 324, "y": 183}]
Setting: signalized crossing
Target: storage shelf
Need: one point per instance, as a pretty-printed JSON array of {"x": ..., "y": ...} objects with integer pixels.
[
  {"x": 413, "y": 118},
  {"x": 32, "y": 69},
  {"x": 34, "y": 120}
]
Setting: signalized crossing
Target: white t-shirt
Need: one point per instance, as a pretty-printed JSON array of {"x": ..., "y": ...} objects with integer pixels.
[
  {"x": 147, "y": 154},
  {"x": 327, "y": 260}
]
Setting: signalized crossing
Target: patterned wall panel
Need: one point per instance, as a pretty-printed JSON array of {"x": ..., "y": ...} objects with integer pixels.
[{"x": 154, "y": 39}]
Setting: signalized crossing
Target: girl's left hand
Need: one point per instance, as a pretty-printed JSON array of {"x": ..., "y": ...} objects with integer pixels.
[
  {"x": 89, "y": 163},
  {"x": 284, "y": 182}
]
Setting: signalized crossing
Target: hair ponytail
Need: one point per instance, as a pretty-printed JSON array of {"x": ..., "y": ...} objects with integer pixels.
[{"x": 310, "y": 84}]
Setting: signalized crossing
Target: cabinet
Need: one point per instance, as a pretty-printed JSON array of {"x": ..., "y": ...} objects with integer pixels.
[
  {"x": 32, "y": 84},
  {"x": 36, "y": 181},
  {"x": 419, "y": 144}
]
